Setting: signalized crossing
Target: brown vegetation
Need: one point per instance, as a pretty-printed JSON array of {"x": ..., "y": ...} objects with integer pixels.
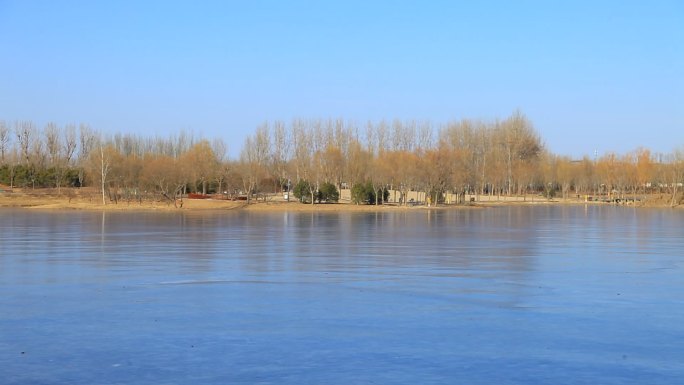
[{"x": 458, "y": 159}]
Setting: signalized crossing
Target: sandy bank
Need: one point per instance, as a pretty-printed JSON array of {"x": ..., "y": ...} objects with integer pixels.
[
  {"x": 64, "y": 203},
  {"x": 88, "y": 201},
  {"x": 85, "y": 200}
]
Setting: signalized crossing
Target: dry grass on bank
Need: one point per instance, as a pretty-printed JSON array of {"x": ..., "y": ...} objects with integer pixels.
[{"x": 90, "y": 199}]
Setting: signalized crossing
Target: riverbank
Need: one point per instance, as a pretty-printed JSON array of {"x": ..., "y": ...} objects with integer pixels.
[
  {"x": 75, "y": 199},
  {"x": 49, "y": 202}
]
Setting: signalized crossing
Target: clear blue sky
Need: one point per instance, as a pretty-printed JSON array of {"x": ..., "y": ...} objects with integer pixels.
[{"x": 591, "y": 75}]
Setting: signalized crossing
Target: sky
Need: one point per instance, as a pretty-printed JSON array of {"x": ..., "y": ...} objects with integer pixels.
[{"x": 590, "y": 75}]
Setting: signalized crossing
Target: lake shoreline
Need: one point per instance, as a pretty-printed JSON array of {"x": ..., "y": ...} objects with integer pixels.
[{"x": 44, "y": 201}]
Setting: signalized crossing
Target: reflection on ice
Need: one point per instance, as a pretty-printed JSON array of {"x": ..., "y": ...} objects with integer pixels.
[{"x": 560, "y": 295}]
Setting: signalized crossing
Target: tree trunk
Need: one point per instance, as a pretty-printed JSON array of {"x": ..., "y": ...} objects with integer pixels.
[
  {"x": 674, "y": 195},
  {"x": 104, "y": 168}
]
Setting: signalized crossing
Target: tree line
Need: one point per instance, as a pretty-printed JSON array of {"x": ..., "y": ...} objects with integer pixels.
[{"x": 318, "y": 157}]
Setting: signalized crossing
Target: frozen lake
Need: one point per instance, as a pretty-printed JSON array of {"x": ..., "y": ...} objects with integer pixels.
[{"x": 511, "y": 295}]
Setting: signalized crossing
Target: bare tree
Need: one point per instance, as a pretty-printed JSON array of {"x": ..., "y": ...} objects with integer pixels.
[
  {"x": 262, "y": 153},
  {"x": 52, "y": 142},
  {"x": 36, "y": 159},
  {"x": 25, "y": 132},
  {"x": 69, "y": 142},
  {"x": 253, "y": 158},
  {"x": 164, "y": 174},
  {"x": 358, "y": 163},
  {"x": 425, "y": 135},
  {"x": 645, "y": 169},
  {"x": 521, "y": 149},
  {"x": 203, "y": 161},
  {"x": 4, "y": 141},
  {"x": 13, "y": 160},
  {"x": 302, "y": 149},
  {"x": 100, "y": 163},
  {"x": 280, "y": 154},
  {"x": 104, "y": 169},
  {"x": 220, "y": 149},
  {"x": 30, "y": 148},
  {"x": 86, "y": 144},
  {"x": 54, "y": 148}
]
